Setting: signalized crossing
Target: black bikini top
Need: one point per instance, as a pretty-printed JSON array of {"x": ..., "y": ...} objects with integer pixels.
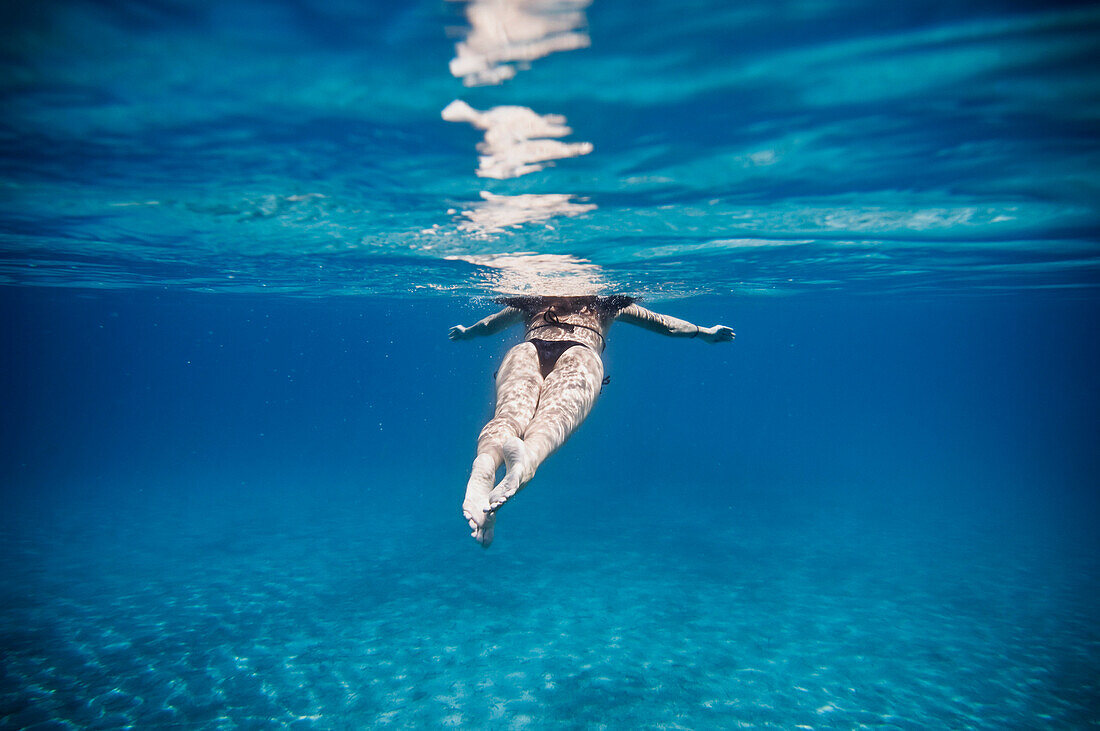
[{"x": 553, "y": 308}]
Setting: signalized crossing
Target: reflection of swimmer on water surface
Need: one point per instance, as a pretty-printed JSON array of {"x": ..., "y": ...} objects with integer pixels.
[{"x": 546, "y": 386}]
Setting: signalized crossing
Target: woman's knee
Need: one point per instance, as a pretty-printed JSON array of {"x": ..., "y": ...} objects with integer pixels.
[
  {"x": 493, "y": 448},
  {"x": 494, "y": 434}
]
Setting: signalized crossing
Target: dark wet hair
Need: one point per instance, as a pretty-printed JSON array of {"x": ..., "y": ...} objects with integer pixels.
[{"x": 609, "y": 306}]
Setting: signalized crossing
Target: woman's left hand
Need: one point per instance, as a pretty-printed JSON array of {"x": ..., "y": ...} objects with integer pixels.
[{"x": 717, "y": 334}]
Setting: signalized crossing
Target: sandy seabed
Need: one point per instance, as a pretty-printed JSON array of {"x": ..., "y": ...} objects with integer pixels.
[{"x": 746, "y": 619}]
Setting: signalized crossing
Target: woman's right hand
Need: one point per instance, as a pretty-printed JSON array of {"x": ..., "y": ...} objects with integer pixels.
[{"x": 458, "y": 332}]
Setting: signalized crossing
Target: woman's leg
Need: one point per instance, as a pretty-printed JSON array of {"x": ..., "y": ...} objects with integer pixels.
[
  {"x": 518, "y": 385},
  {"x": 567, "y": 396}
]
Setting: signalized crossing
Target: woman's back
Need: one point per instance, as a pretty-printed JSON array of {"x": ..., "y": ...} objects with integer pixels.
[{"x": 584, "y": 320}]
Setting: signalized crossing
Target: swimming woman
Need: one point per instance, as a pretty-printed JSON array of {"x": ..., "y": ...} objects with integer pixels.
[{"x": 546, "y": 386}]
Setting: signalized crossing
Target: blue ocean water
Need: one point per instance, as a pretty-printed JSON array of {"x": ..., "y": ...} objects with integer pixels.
[{"x": 235, "y": 437}]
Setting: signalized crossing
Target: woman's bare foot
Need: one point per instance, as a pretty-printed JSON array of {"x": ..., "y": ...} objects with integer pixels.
[
  {"x": 476, "y": 505},
  {"x": 516, "y": 459}
]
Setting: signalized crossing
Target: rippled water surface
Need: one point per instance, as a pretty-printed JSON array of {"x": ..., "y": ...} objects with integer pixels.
[{"x": 670, "y": 148}]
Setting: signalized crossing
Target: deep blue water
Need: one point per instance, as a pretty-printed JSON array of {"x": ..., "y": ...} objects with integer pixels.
[{"x": 235, "y": 437}]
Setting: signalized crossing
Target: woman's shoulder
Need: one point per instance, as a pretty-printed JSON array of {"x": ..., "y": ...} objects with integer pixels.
[{"x": 613, "y": 304}]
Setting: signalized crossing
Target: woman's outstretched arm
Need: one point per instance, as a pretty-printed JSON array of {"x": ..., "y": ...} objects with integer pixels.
[
  {"x": 492, "y": 324},
  {"x": 674, "y": 326}
]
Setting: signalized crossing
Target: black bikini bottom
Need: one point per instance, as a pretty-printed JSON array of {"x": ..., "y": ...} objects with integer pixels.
[{"x": 550, "y": 350}]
